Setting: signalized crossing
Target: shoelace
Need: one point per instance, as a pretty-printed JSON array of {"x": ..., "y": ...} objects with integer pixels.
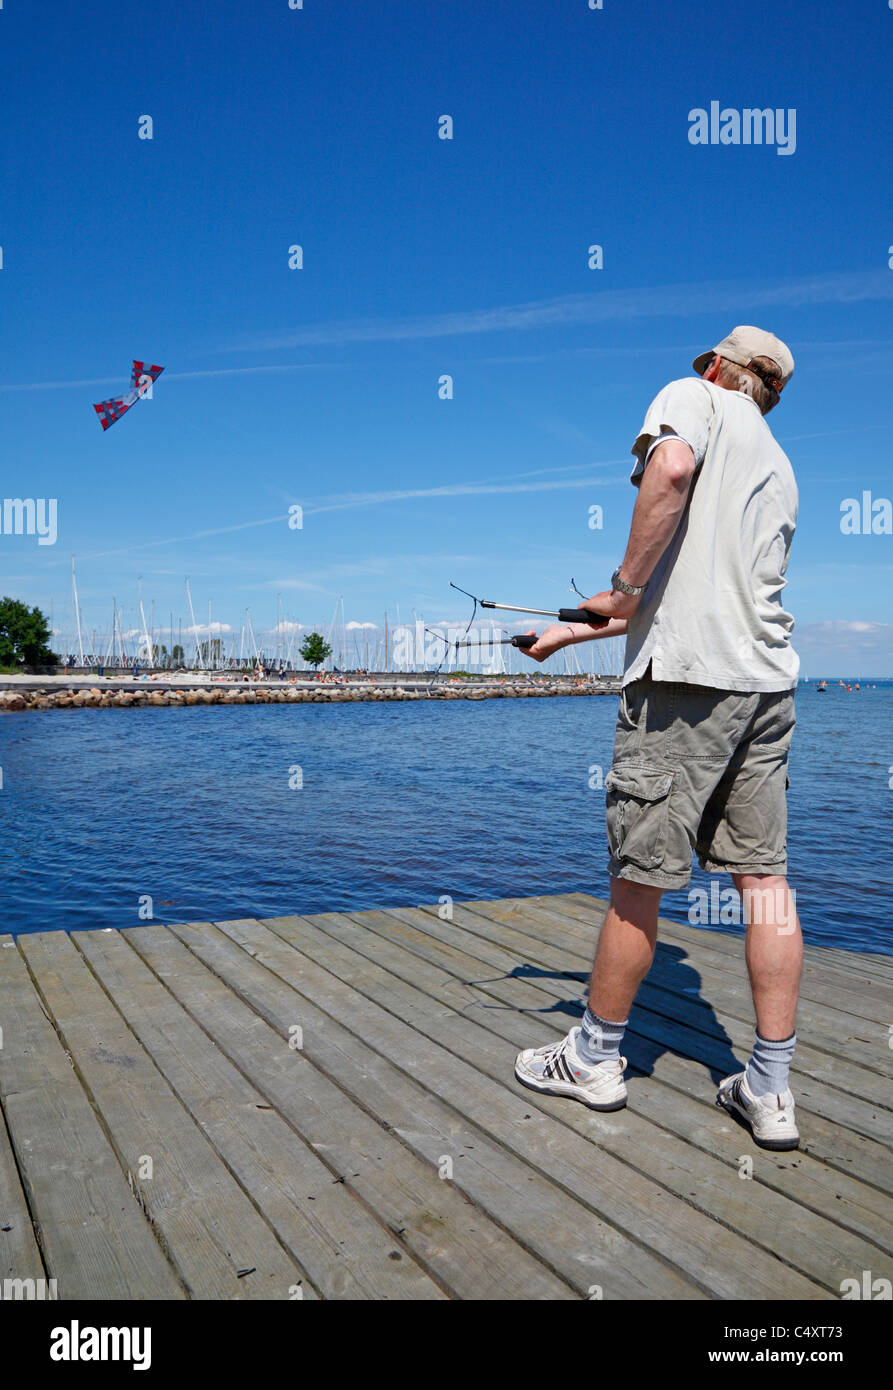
[{"x": 554, "y": 1053}]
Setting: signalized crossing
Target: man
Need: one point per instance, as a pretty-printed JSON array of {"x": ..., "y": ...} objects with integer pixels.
[{"x": 705, "y": 719}]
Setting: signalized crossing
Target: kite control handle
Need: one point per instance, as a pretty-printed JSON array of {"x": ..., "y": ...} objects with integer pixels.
[
  {"x": 582, "y": 615},
  {"x": 524, "y": 641}
]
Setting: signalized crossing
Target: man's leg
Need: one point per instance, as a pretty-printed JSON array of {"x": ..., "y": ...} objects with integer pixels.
[
  {"x": 774, "y": 951},
  {"x": 622, "y": 960},
  {"x": 587, "y": 1064},
  {"x": 625, "y": 947},
  {"x": 774, "y": 954}
]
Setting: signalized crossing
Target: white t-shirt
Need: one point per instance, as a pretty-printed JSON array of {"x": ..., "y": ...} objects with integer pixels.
[{"x": 711, "y": 613}]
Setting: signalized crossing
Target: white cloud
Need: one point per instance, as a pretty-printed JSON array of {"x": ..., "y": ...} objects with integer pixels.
[
  {"x": 205, "y": 630},
  {"x": 102, "y": 381},
  {"x": 655, "y": 301},
  {"x": 352, "y": 500},
  {"x": 841, "y": 626},
  {"x": 845, "y": 646}
]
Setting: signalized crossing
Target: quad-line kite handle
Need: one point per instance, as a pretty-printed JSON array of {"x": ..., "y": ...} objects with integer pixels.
[
  {"x": 582, "y": 615},
  {"x": 564, "y": 615}
]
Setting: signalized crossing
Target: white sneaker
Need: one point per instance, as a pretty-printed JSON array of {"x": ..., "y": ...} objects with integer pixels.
[
  {"x": 770, "y": 1118},
  {"x": 556, "y": 1070}
]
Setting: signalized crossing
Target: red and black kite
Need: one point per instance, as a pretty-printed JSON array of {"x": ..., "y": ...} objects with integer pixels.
[{"x": 141, "y": 379}]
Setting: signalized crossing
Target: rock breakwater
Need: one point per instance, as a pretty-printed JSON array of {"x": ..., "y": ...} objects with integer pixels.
[{"x": 96, "y": 697}]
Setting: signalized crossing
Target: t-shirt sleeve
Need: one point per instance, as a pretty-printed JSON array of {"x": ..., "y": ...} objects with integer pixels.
[{"x": 684, "y": 408}]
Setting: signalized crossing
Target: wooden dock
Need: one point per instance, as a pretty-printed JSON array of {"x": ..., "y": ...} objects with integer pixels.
[{"x": 324, "y": 1108}]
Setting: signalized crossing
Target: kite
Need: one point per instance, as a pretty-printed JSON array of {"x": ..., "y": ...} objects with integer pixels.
[{"x": 141, "y": 379}]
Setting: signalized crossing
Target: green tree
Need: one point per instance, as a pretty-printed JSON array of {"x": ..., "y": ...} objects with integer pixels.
[
  {"x": 24, "y": 634},
  {"x": 177, "y": 654},
  {"x": 315, "y": 649},
  {"x": 211, "y": 651}
]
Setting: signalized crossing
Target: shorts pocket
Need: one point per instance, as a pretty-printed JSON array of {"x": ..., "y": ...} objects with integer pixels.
[
  {"x": 630, "y": 707},
  {"x": 637, "y": 812}
]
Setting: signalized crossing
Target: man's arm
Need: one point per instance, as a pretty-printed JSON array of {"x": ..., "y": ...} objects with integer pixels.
[
  {"x": 560, "y": 635},
  {"x": 663, "y": 494}
]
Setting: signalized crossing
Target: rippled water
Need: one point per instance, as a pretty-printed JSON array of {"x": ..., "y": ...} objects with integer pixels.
[{"x": 399, "y": 804}]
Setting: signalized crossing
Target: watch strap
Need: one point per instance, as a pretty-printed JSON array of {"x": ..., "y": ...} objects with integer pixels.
[{"x": 632, "y": 589}]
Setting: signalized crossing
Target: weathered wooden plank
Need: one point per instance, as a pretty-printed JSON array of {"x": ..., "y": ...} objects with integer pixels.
[
  {"x": 551, "y": 1222},
  {"x": 701, "y": 998},
  {"x": 851, "y": 1095},
  {"x": 823, "y": 979},
  {"x": 96, "y": 1240},
  {"x": 840, "y": 1148},
  {"x": 687, "y": 1238},
  {"x": 467, "y": 1252},
  {"x": 842, "y": 1095},
  {"x": 19, "y": 1251},
  {"x": 802, "y": 1177},
  {"x": 331, "y": 1243},
  {"x": 210, "y": 1230},
  {"x": 555, "y": 1228},
  {"x": 723, "y": 951},
  {"x": 726, "y": 974},
  {"x": 576, "y": 911},
  {"x": 871, "y": 1212},
  {"x": 651, "y": 1032},
  {"x": 811, "y": 1242},
  {"x": 410, "y": 1026},
  {"x": 874, "y": 964}
]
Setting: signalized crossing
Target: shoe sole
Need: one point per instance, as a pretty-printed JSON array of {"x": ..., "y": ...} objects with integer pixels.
[
  {"x": 775, "y": 1145},
  {"x": 570, "y": 1093}
]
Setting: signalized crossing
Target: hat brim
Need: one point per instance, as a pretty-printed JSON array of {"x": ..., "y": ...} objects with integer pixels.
[{"x": 701, "y": 362}]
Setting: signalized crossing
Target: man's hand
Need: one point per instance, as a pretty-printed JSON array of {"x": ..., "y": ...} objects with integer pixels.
[
  {"x": 612, "y": 604},
  {"x": 552, "y": 640},
  {"x": 566, "y": 634}
]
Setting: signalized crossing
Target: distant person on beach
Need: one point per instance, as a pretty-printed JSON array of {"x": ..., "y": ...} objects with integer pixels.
[{"x": 705, "y": 720}]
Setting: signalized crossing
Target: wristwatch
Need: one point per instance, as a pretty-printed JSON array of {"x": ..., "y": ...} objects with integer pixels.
[{"x": 632, "y": 589}]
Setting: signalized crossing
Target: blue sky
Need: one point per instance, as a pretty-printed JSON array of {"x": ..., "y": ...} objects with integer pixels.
[{"x": 423, "y": 256}]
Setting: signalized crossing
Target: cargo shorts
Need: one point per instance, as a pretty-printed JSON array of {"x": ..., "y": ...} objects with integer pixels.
[{"x": 698, "y": 769}]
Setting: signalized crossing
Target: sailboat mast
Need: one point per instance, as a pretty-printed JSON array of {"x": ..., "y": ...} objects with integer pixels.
[
  {"x": 198, "y": 655},
  {"x": 77, "y": 612},
  {"x": 145, "y": 631}
]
